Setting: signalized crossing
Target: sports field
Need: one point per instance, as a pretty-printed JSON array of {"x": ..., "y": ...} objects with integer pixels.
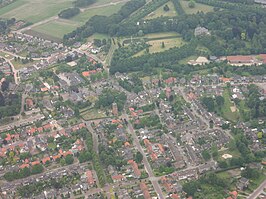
[{"x": 34, "y": 10}]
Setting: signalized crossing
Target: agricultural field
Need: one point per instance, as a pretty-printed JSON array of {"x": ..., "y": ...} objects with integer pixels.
[
  {"x": 34, "y": 10},
  {"x": 198, "y": 7},
  {"x": 56, "y": 28},
  {"x": 108, "y": 10},
  {"x": 161, "y": 13}
]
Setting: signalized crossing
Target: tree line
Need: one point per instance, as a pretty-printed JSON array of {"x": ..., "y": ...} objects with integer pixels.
[{"x": 69, "y": 12}]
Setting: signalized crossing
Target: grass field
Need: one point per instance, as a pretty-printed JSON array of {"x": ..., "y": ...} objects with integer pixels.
[
  {"x": 93, "y": 114},
  {"x": 170, "y": 39},
  {"x": 98, "y": 36},
  {"x": 156, "y": 45},
  {"x": 19, "y": 65},
  {"x": 6, "y": 55},
  {"x": 161, "y": 35},
  {"x": 198, "y": 7},
  {"x": 226, "y": 110},
  {"x": 107, "y": 11},
  {"x": 161, "y": 13},
  {"x": 56, "y": 28},
  {"x": 34, "y": 10}
]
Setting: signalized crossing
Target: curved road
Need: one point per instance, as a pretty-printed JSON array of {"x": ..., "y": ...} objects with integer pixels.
[{"x": 258, "y": 191}]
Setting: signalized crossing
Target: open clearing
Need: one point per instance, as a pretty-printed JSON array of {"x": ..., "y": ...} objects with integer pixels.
[
  {"x": 156, "y": 45},
  {"x": 155, "y": 41},
  {"x": 34, "y": 10},
  {"x": 161, "y": 13},
  {"x": 198, "y": 7}
]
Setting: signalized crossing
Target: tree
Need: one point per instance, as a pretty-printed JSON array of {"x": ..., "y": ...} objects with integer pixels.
[
  {"x": 138, "y": 157},
  {"x": 163, "y": 45},
  {"x": 191, "y": 4},
  {"x": 206, "y": 155},
  {"x": 220, "y": 100},
  {"x": 166, "y": 8},
  {"x": 69, "y": 159},
  {"x": 76, "y": 112},
  {"x": 37, "y": 169}
]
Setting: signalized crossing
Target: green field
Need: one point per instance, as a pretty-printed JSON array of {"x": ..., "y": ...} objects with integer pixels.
[
  {"x": 56, "y": 28},
  {"x": 161, "y": 13},
  {"x": 198, "y": 7},
  {"x": 161, "y": 35},
  {"x": 170, "y": 40},
  {"x": 93, "y": 114},
  {"x": 34, "y": 10},
  {"x": 226, "y": 109},
  {"x": 98, "y": 36},
  {"x": 156, "y": 45},
  {"x": 107, "y": 11}
]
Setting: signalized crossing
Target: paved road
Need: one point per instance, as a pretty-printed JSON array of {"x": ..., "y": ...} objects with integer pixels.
[
  {"x": 258, "y": 191},
  {"x": 147, "y": 166}
]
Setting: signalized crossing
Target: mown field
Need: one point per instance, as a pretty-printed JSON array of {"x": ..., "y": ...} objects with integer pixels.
[
  {"x": 156, "y": 40},
  {"x": 106, "y": 10},
  {"x": 159, "y": 12},
  {"x": 59, "y": 27},
  {"x": 56, "y": 28},
  {"x": 198, "y": 7},
  {"x": 34, "y": 10}
]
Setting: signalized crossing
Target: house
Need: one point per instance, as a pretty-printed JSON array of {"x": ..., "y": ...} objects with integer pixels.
[
  {"x": 199, "y": 61},
  {"x": 201, "y": 31},
  {"x": 242, "y": 183},
  {"x": 90, "y": 178},
  {"x": 260, "y": 2},
  {"x": 135, "y": 168},
  {"x": 240, "y": 60},
  {"x": 45, "y": 160},
  {"x": 118, "y": 178},
  {"x": 145, "y": 190},
  {"x": 29, "y": 103}
]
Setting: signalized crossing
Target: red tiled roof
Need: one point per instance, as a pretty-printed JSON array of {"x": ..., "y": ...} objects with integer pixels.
[
  {"x": 29, "y": 102},
  {"x": 44, "y": 160},
  {"x": 24, "y": 166},
  {"x": 35, "y": 163},
  {"x": 90, "y": 179},
  {"x": 239, "y": 58},
  {"x": 118, "y": 177}
]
